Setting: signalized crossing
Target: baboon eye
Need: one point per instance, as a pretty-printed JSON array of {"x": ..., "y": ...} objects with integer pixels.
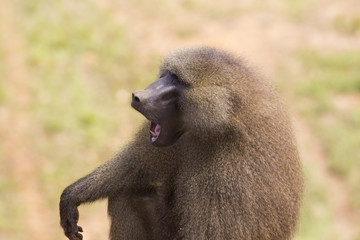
[
  {"x": 163, "y": 74},
  {"x": 174, "y": 76}
]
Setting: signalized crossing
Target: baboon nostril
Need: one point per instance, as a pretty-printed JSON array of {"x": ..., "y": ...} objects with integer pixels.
[{"x": 135, "y": 98}]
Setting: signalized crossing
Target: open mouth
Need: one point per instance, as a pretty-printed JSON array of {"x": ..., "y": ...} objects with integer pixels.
[{"x": 155, "y": 130}]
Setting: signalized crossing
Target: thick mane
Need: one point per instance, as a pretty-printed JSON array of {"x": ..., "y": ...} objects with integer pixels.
[
  {"x": 211, "y": 62},
  {"x": 224, "y": 93}
]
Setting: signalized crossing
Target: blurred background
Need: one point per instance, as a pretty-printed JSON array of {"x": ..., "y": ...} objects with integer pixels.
[{"x": 67, "y": 70}]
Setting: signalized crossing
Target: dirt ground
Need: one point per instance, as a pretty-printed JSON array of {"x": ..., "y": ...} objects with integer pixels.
[{"x": 265, "y": 37}]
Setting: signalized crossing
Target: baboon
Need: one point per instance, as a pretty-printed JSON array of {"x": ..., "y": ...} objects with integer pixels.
[{"x": 216, "y": 158}]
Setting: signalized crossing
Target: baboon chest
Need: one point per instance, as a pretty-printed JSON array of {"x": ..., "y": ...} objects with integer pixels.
[{"x": 151, "y": 208}]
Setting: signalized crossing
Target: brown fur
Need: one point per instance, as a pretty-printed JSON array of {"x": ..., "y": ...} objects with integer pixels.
[{"x": 234, "y": 174}]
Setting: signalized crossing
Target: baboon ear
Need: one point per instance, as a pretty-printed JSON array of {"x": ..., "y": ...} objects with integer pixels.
[{"x": 208, "y": 109}]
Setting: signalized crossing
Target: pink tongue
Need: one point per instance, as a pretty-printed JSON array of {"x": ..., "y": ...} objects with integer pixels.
[{"x": 157, "y": 129}]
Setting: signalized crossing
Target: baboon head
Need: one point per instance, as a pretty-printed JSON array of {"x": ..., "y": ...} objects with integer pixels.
[
  {"x": 191, "y": 95},
  {"x": 159, "y": 103}
]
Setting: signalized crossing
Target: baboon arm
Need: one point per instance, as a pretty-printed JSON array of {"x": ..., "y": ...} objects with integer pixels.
[
  {"x": 113, "y": 176},
  {"x": 108, "y": 179},
  {"x": 126, "y": 173}
]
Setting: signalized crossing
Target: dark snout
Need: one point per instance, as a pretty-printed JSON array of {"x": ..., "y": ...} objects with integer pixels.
[
  {"x": 159, "y": 94},
  {"x": 140, "y": 99}
]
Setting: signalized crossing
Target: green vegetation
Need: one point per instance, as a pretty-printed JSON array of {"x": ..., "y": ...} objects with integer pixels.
[
  {"x": 316, "y": 220},
  {"x": 78, "y": 64},
  {"x": 2, "y": 71},
  {"x": 326, "y": 91},
  {"x": 329, "y": 74},
  {"x": 332, "y": 83},
  {"x": 297, "y": 9},
  {"x": 82, "y": 59},
  {"x": 10, "y": 207},
  {"x": 329, "y": 98},
  {"x": 347, "y": 25}
]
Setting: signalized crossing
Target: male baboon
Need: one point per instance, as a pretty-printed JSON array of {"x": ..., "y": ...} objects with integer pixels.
[{"x": 221, "y": 162}]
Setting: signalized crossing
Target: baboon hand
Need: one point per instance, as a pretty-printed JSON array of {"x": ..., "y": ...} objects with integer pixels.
[{"x": 69, "y": 216}]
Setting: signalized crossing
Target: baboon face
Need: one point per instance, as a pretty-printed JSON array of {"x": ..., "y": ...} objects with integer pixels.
[{"x": 159, "y": 103}]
